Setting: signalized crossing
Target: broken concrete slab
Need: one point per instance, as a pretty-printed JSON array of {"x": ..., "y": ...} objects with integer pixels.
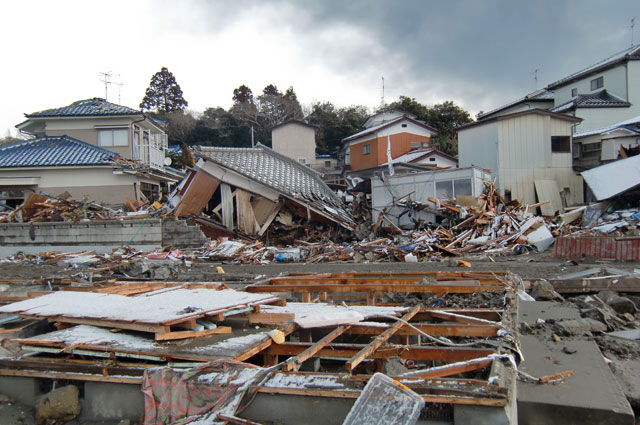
[
  {"x": 530, "y": 311},
  {"x": 591, "y": 396},
  {"x": 60, "y": 405},
  {"x": 542, "y": 290},
  {"x": 577, "y": 327}
]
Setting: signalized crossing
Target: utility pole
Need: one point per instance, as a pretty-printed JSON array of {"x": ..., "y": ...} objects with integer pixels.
[{"x": 252, "y": 143}]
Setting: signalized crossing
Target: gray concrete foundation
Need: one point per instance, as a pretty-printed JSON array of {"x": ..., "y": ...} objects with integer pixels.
[
  {"x": 23, "y": 390},
  {"x": 107, "y": 401}
]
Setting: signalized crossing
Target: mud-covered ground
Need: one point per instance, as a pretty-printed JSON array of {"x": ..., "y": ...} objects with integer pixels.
[{"x": 529, "y": 266}]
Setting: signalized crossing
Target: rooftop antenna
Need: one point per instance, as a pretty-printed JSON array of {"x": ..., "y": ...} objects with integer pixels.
[
  {"x": 633, "y": 25},
  {"x": 382, "y": 98},
  {"x": 106, "y": 79},
  {"x": 535, "y": 77}
]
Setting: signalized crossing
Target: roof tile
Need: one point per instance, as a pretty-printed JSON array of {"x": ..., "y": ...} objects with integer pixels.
[
  {"x": 86, "y": 108},
  {"x": 50, "y": 151}
]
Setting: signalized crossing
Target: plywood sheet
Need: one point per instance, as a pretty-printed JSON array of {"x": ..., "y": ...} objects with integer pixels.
[
  {"x": 246, "y": 217},
  {"x": 197, "y": 195},
  {"x": 548, "y": 190}
]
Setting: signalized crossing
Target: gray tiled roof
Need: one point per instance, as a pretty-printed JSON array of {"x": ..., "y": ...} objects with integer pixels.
[
  {"x": 53, "y": 151},
  {"x": 632, "y": 53},
  {"x": 601, "y": 99},
  {"x": 289, "y": 177},
  {"x": 86, "y": 108},
  {"x": 538, "y": 95}
]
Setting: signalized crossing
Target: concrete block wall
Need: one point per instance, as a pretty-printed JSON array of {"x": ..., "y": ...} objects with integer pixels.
[{"x": 99, "y": 235}]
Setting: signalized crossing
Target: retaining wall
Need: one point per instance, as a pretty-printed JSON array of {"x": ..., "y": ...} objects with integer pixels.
[{"x": 101, "y": 236}]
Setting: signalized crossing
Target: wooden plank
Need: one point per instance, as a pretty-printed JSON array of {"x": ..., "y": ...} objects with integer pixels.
[
  {"x": 272, "y": 215},
  {"x": 450, "y": 369},
  {"x": 271, "y": 318},
  {"x": 71, "y": 376},
  {"x": 198, "y": 194},
  {"x": 170, "y": 336},
  {"x": 261, "y": 346},
  {"x": 346, "y": 351},
  {"x": 246, "y": 219},
  {"x": 356, "y": 394},
  {"x": 457, "y": 288},
  {"x": 435, "y": 329},
  {"x": 227, "y": 206},
  {"x": 262, "y": 208},
  {"x": 379, "y": 340},
  {"x": 295, "y": 362},
  {"x": 106, "y": 323}
]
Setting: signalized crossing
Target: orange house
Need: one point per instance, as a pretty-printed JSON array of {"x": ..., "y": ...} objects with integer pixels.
[{"x": 368, "y": 148}]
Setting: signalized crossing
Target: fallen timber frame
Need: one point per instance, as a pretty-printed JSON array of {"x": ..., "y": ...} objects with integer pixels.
[{"x": 372, "y": 284}]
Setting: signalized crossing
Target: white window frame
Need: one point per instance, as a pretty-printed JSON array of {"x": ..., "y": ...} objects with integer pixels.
[{"x": 106, "y": 137}]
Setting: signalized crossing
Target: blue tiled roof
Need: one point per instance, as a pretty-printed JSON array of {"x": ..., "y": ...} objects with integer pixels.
[
  {"x": 53, "y": 151},
  {"x": 86, "y": 108}
]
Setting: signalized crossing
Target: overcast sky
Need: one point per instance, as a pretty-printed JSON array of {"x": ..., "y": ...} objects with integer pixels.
[{"x": 478, "y": 53}]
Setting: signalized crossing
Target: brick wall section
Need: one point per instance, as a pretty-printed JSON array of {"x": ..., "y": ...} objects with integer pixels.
[
  {"x": 103, "y": 233},
  {"x": 621, "y": 249}
]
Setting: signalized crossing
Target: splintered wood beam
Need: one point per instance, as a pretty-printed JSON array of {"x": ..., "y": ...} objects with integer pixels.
[
  {"x": 380, "y": 280},
  {"x": 380, "y": 339},
  {"x": 450, "y": 369},
  {"x": 271, "y": 318},
  {"x": 262, "y": 345},
  {"x": 294, "y": 362},
  {"x": 169, "y": 336}
]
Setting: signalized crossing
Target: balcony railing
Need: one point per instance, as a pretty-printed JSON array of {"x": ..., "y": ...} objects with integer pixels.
[{"x": 150, "y": 155}]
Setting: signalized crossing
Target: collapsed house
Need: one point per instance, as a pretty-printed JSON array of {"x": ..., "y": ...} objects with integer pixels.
[{"x": 249, "y": 189}]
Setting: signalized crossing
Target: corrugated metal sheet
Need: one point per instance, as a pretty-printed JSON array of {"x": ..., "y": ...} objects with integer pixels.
[
  {"x": 86, "y": 108},
  {"x": 53, "y": 151},
  {"x": 620, "y": 249}
]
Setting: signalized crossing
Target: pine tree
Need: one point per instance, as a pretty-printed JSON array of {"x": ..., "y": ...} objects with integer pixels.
[{"x": 163, "y": 95}]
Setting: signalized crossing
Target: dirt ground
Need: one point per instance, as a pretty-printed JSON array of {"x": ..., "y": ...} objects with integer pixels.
[{"x": 529, "y": 266}]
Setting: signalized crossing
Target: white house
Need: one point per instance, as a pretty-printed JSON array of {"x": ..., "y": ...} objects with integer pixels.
[
  {"x": 602, "y": 94},
  {"x": 526, "y": 151}
]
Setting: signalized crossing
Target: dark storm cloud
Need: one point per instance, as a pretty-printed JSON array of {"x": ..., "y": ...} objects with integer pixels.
[{"x": 482, "y": 53}]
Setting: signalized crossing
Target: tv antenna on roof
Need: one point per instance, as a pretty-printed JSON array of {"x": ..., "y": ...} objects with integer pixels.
[
  {"x": 633, "y": 25},
  {"x": 382, "y": 98},
  {"x": 106, "y": 79},
  {"x": 535, "y": 77}
]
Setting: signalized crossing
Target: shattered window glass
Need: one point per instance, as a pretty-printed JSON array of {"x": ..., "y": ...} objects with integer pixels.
[{"x": 462, "y": 187}]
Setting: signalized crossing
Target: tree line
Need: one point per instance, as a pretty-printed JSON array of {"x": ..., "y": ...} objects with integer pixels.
[{"x": 257, "y": 115}]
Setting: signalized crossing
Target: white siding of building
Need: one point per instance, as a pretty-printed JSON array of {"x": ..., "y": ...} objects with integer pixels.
[
  {"x": 595, "y": 118},
  {"x": 297, "y": 141},
  {"x": 615, "y": 82},
  {"x": 524, "y": 155},
  {"x": 478, "y": 146}
]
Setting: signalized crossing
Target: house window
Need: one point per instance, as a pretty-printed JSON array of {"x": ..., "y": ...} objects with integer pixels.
[
  {"x": 404, "y": 126},
  {"x": 327, "y": 164},
  {"x": 462, "y": 187},
  {"x": 597, "y": 83},
  {"x": 302, "y": 160},
  {"x": 432, "y": 159},
  {"x": 561, "y": 144},
  {"x": 574, "y": 92},
  {"x": 444, "y": 189},
  {"x": 118, "y": 137},
  {"x": 366, "y": 149}
]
